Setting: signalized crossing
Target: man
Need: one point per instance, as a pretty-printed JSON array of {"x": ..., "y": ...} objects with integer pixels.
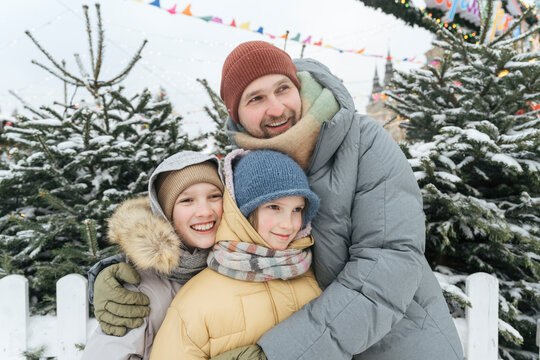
[{"x": 381, "y": 300}]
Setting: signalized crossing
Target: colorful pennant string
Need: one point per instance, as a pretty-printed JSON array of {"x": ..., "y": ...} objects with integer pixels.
[
  {"x": 172, "y": 10},
  {"x": 298, "y": 38}
]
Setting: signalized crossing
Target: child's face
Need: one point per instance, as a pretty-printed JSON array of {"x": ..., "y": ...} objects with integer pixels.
[
  {"x": 279, "y": 221},
  {"x": 197, "y": 214}
]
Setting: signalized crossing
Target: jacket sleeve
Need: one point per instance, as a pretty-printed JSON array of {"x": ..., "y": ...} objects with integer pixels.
[
  {"x": 100, "y": 265},
  {"x": 127, "y": 347},
  {"x": 174, "y": 340},
  {"x": 383, "y": 270}
]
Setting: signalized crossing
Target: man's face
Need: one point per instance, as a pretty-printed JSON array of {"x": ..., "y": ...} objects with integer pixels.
[{"x": 269, "y": 106}]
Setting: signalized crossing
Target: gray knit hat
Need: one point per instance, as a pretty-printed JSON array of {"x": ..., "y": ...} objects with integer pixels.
[{"x": 266, "y": 175}]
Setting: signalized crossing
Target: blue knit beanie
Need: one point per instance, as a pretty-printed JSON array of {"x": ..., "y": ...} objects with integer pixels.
[{"x": 266, "y": 175}]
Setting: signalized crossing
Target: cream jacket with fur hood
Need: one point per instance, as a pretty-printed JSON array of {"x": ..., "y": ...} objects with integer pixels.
[
  {"x": 150, "y": 243},
  {"x": 214, "y": 313}
]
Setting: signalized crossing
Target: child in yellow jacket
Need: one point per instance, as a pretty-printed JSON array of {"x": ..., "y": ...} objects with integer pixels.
[{"x": 259, "y": 270}]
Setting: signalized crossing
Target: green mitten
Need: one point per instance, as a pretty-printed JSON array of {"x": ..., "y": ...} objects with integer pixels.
[
  {"x": 250, "y": 352},
  {"x": 117, "y": 308}
]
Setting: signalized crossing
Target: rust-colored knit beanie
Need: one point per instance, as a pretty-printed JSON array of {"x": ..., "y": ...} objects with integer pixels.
[{"x": 247, "y": 62}]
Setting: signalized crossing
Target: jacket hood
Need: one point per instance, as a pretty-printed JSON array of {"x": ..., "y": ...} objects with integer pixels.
[
  {"x": 234, "y": 226},
  {"x": 143, "y": 232},
  {"x": 177, "y": 161},
  {"x": 328, "y": 80}
]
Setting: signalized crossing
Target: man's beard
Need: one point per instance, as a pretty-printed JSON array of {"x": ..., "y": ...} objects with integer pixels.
[{"x": 289, "y": 115}]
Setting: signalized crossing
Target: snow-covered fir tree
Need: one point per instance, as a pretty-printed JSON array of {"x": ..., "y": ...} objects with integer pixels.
[
  {"x": 218, "y": 113},
  {"x": 71, "y": 164},
  {"x": 474, "y": 144}
]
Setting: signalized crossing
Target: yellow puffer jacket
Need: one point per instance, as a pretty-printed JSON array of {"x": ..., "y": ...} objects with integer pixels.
[{"x": 214, "y": 313}]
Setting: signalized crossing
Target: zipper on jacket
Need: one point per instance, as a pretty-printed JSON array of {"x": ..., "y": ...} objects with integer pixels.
[{"x": 276, "y": 320}]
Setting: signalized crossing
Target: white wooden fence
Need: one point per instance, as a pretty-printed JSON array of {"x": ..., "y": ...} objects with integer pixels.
[{"x": 20, "y": 332}]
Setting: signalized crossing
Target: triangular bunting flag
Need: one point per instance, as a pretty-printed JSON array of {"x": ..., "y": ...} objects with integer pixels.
[
  {"x": 271, "y": 36},
  {"x": 172, "y": 10},
  {"x": 244, "y": 26},
  {"x": 307, "y": 40},
  {"x": 217, "y": 20},
  {"x": 328, "y": 46},
  {"x": 284, "y": 36},
  {"x": 361, "y": 51},
  {"x": 260, "y": 30},
  {"x": 319, "y": 43},
  {"x": 233, "y": 23},
  {"x": 187, "y": 11},
  {"x": 206, "y": 18},
  {"x": 155, "y": 3},
  {"x": 297, "y": 37}
]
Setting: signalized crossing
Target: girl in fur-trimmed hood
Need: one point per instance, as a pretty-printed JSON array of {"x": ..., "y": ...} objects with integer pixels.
[{"x": 166, "y": 237}]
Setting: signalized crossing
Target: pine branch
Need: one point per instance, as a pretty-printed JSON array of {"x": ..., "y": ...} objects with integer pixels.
[
  {"x": 65, "y": 86},
  {"x": 90, "y": 235},
  {"x": 464, "y": 51},
  {"x": 526, "y": 34},
  {"x": 100, "y": 44},
  {"x": 90, "y": 42},
  {"x": 55, "y": 202},
  {"x": 105, "y": 113},
  {"x": 58, "y": 66},
  {"x": 80, "y": 65},
  {"x": 388, "y": 122},
  {"x": 73, "y": 96},
  {"x": 219, "y": 106},
  {"x": 87, "y": 131},
  {"x": 71, "y": 82},
  {"x": 485, "y": 20},
  {"x": 509, "y": 31},
  {"x": 46, "y": 150},
  {"x": 52, "y": 112},
  {"x": 26, "y": 105},
  {"x": 128, "y": 68}
]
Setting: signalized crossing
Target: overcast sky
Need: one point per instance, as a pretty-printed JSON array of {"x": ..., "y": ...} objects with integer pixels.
[{"x": 183, "y": 48}]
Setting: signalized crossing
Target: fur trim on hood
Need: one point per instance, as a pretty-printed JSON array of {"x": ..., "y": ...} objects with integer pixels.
[{"x": 148, "y": 241}]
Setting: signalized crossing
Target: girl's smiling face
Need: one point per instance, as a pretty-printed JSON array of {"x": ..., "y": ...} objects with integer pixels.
[
  {"x": 197, "y": 214},
  {"x": 279, "y": 221}
]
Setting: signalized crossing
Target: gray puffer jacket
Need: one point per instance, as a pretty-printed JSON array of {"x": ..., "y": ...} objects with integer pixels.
[
  {"x": 381, "y": 299},
  {"x": 150, "y": 243}
]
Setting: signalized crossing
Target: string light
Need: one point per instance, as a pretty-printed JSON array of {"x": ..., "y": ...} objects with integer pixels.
[
  {"x": 454, "y": 26},
  {"x": 503, "y": 73}
]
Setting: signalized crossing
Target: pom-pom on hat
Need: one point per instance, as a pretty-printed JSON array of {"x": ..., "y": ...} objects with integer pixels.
[
  {"x": 262, "y": 176},
  {"x": 250, "y": 61}
]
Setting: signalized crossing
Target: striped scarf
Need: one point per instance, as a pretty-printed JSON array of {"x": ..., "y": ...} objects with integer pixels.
[{"x": 250, "y": 262}]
